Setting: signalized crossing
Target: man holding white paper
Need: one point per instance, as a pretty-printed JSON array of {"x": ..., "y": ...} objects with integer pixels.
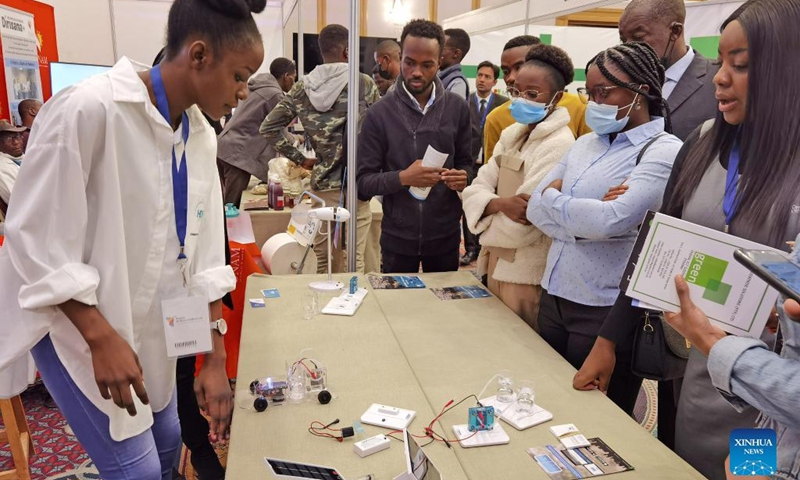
[{"x": 418, "y": 119}]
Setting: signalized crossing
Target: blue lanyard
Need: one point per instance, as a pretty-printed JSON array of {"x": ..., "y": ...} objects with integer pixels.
[
  {"x": 485, "y": 110},
  {"x": 731, "y": 203},
  {"x": 180, "y": 176}
]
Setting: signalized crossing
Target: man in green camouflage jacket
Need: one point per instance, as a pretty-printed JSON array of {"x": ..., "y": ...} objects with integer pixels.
[{"x": 319, "y": 101}]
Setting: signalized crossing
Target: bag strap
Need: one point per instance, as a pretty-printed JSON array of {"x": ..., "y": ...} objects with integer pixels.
[{"x": 646, "y": 146}]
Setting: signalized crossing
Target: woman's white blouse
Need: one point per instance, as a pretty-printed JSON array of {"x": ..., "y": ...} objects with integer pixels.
[{"x": 93, "y": 220}]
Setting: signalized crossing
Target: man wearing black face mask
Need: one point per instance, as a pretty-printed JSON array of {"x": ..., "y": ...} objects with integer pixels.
[
  {"x": 387, "y": 60},
  {"x": 689, "y": 88}
]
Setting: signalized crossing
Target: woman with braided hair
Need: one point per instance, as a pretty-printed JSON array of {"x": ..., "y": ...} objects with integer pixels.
[
  {"x": 592, "y": 238},
  {"x": 738, "y": 173}
]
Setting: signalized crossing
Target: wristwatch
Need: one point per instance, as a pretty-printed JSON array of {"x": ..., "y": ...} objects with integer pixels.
[{"x": 220, "y": 325}]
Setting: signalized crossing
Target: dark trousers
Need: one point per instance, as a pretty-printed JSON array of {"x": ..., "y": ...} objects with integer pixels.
[
  {"x": 668, "y": 394},
  {"x": 471, "y": 243},
  {"x": 571, "y": 329},
  {"x": 234, "y": 181},
  {"x": 194, "y": 426},
  {"x": 396, "y": 263}
]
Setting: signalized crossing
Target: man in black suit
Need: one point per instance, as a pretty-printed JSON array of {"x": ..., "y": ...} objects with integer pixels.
[
  {"x": 689, "y": 88},
  {"x": 481, "y": 102}
]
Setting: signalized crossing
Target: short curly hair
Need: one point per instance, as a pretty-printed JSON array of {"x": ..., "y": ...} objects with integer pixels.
[
  {"x": 423, "y": 29},
  {"x": 521, "y": 41},
  {"x": 554, "y": 60}
]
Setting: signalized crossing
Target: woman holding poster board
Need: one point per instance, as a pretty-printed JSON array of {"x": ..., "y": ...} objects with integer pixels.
[
  {"x": 751, "y": 137},
  {"x": 114, "y": 263}
]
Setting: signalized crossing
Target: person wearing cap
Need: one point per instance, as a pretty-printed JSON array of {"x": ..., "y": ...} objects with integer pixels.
[{"x": 10, "y": 159}]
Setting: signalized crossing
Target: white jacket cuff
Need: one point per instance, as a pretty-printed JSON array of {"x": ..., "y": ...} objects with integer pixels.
[
  {"x": 213, "y": 283},
  {"x": 73, "y": 281}
]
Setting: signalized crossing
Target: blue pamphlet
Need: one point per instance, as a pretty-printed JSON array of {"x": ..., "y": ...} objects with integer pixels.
[{"x": 394, "y": 282}]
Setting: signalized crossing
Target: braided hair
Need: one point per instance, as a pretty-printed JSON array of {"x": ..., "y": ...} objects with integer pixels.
[{"x": 640, "y": 62}]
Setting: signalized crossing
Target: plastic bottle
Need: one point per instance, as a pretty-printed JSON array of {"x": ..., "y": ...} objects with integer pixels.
[
  {"x": 278, "y": 196},
  {"x": 238, "y": 223},
  {"x": 270, "y": 194}
]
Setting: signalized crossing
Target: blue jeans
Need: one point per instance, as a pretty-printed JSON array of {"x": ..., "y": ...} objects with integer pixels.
[{"x": 148, "y": 456}]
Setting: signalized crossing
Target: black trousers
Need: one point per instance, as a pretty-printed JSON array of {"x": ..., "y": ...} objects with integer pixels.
[
  {"x": 194, "y": 426},
  {"x": 668, "y": 394},
  {"x": 571, "y": 329},
  {"x": 471, "y": 243},
  {"x": 396, "y": 263}
]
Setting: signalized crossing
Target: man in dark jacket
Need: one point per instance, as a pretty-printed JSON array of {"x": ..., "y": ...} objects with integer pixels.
[
  {"x": 241, "y": 151},
  {"x": 395, "y": 134}
]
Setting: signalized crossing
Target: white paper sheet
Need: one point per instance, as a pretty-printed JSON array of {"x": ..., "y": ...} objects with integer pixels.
[{"x": 432, "y": 159}]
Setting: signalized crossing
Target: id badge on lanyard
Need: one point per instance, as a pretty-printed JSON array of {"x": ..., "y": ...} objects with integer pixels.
[{"x": 187, "y": 327}]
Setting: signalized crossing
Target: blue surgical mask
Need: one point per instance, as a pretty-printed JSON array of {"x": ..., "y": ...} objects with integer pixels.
[
  {"x": 602, "y": 119},
  {"x": 527, "y": 112}
]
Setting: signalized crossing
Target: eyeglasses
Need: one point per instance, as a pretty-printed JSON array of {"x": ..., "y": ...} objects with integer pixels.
[
  {"x": 530, "y": 95},
  {"x": 596, "y": 94},
  {"x": 13, "y": 137}
]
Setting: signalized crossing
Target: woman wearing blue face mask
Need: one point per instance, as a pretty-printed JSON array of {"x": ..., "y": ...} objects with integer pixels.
[
  {"x": 514, "y": 252},
  {"x": 592, "y": 239}
]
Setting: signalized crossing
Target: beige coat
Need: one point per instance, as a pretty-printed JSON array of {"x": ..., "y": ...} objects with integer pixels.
[{"x": 548, "y": 142}]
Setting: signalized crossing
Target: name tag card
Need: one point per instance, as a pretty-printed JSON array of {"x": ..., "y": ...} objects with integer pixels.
[{"x": 187, "y": 326}]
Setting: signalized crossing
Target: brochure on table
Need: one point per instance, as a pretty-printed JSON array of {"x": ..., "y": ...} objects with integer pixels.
[
  {"x": 562, "y": 463},
  {"x": 460, "y": 293},
  {"x": 394, "y": 282},
  {"x": 732, "y": 297}
]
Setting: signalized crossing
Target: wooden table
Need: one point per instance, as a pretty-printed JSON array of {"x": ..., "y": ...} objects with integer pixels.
[{"x": 408, "y": 349}]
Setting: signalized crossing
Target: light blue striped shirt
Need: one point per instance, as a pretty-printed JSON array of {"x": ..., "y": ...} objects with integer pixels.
[{"x": 592, "y": 239}]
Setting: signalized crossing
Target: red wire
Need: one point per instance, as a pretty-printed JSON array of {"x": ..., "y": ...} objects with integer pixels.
[
  {"x": 314, "y": 431},
  {"x": 430, "y": 433},
  {"x": 300, "y": 362}
]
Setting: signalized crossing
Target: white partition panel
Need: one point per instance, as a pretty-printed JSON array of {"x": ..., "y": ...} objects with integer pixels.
[
  {"x": 489, "y": 18},
  {"x": 83, "y": 31},
  {"x": 141, "y": 28},
  {"x": 704, "y": 20}
]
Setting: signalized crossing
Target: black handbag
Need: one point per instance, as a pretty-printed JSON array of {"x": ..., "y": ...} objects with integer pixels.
[{"x": 659, "y": 351}]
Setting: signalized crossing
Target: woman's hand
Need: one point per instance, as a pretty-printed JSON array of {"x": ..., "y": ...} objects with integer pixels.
[
  {"x": 691, "y": 322},
  {"x": 615, "y": 192},
  {"x": 595, "y": 373},
  {"x": 557, "y": 184},
  {"x": 214, "y": 397},
  {"x": 516, "y": 207},
  {"x": 116, "y": 366},
  {"x": 117, "y": 370}
]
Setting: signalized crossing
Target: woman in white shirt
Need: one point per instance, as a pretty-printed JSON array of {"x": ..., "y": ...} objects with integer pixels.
[
  {"x": 515, "y": 252},
  {"x": 119, "y": 238}
]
